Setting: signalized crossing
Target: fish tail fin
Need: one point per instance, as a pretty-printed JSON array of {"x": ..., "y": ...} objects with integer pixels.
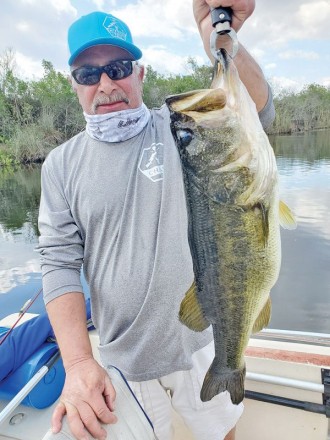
[{"x": 225, "y": 380}]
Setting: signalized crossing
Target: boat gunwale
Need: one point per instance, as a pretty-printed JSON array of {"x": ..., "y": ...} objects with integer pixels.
[{"x": 318, "y": 339}]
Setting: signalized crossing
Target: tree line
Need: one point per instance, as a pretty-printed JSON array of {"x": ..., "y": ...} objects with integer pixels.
[{"x": 37, "y": 115}]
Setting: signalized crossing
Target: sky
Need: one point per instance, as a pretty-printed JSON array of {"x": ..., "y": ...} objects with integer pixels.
[{"x": 290, "y": 39}]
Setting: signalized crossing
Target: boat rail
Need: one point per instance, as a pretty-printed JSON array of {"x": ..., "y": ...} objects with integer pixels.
[
  {"x": 287, "y": 382},
  {"x": 294, "y": 336},
  {"x": 319, "y": 339}
]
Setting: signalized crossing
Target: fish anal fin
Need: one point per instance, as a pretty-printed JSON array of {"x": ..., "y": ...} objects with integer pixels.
[
  {"x": 191, "y": 313},
  {"x": 264, "y": 317},
  {"x": 287, "y": 220}
]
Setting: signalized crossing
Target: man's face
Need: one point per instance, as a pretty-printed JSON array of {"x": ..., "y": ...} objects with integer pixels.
[{"x": 108, "y": 95}]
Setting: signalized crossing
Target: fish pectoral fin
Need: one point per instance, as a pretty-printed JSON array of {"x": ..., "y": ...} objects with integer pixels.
[
  {"x": 264, "y": 317},
  {"x": 191, "y": 313},
  {"x": 287, "y": 220},
  {"x": 265, "y": 222}
]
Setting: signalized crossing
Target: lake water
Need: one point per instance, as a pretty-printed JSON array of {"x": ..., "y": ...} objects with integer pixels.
[{"x": 301, "y": 297}]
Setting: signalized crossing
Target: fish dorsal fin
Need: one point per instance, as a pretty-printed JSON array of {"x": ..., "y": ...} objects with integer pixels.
[
  {"x": 191, "y": 313},
  {"x": 287, "y": 220},
  {"x": 264, "y": 317}
]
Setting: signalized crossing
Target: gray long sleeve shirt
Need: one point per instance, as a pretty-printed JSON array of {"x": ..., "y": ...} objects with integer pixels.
[{"x": 119, "y": 209}]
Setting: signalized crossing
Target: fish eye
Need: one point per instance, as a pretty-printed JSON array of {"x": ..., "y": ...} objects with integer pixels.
[{"x": 185, "y": 137}]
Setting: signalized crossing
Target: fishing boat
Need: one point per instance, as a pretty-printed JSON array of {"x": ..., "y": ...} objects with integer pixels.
[{"x": 287, "y": 388}]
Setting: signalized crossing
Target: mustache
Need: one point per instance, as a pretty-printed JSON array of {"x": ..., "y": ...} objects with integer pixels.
[{"x": 114, "y": 97}]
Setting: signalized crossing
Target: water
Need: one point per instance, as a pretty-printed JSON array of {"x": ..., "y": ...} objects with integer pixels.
[{"x": 301, "y": 297}]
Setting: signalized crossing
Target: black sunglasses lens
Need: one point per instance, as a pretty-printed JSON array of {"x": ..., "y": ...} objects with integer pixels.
[
  {"x": 119, "y": 69},
  {"x": 89, "y": 75}
]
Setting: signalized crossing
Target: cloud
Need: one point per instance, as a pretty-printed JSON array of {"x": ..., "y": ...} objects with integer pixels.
[
  {"x": 278, "y": 83},
  {"x": 28, "y": 68},
  {"x": 62, "y": 6},
  {"x": 270, "y": 66},
  {"x": 165, "y": 62},
  {"x": 314, "y": 16},
  {"x": 289, "y": 54},
  {"x": 104, "y": 6},
  {"x": 169, "y": 18},
  {"x": 36, "y": 29},
  {"x": 277, "y": 31},
  {"x": 100, "y": 4},
  {"x": 23, "y": 26},
  {"x": 274, "y": 24},
  {"x": 257, "y": 53}
]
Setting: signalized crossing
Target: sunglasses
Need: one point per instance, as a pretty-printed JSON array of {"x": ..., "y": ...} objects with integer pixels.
[{"x": 90, "y": 75}]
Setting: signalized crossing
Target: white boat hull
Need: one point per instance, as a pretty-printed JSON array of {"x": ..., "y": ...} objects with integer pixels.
[
  {"x": 290, "y": 369},
  {"x": 296, "y": 364}
]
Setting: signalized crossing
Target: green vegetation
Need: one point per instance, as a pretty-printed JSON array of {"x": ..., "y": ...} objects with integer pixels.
[
  {"x": 303, "y": 111},
  {"x": 7, "y": 160},
  {"x": 37, "y": 115},
  {"x": 157, "y": 87}
]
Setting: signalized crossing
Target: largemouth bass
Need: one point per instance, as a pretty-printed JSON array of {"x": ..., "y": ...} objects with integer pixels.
[{"x": 231, "y": 185}]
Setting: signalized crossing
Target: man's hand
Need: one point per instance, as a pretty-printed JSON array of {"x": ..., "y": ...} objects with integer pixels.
[
  {"x": 87, "y": 399},
  {"x": 242, "y": 9},
  {"x": 248, "y": 70}
]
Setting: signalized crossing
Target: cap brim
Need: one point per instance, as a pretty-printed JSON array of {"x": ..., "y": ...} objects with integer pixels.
[{"x": 131, "y": 48}]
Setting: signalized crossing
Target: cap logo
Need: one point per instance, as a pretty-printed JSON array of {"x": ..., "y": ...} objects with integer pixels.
[{"x": 114, "y": 28}]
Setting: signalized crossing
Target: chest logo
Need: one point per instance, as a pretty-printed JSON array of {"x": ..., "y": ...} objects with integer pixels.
[{"x": 151, "y": 163}]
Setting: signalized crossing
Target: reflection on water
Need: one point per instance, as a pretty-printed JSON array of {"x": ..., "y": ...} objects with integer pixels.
[
  {"x": 20, "y": 277},
  {"x": 301, "y": 297},
  {"x": 307, "y": 148},
  {"x": 19, "y": 195}
]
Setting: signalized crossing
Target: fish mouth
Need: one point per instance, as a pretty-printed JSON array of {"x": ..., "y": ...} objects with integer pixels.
[{"x": 199, "y": 101}]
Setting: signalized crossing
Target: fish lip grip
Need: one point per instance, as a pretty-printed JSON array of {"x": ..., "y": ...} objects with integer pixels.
[{"x": 221, "y": 21}]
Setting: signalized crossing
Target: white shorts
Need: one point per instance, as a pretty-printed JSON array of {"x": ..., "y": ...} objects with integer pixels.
[{"x": 180, "y": 390}]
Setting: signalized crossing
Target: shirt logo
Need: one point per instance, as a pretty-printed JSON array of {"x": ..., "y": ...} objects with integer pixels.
[{"x": 152, "y": 162}]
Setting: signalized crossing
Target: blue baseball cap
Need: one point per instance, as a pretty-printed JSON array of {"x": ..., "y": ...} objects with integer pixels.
[{"x": 100, "y": 28}]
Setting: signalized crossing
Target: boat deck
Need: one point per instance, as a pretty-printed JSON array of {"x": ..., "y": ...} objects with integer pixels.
[{"x": 287, "y": 367}]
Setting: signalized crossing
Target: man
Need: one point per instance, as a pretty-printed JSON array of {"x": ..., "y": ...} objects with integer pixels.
[{"x": 113, "y": 199}]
